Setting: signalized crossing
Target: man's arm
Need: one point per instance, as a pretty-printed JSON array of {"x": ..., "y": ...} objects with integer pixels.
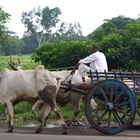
[{"x": 88, "y": 59}]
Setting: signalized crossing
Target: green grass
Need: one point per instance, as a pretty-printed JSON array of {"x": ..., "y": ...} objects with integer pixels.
[
  {"x": 25, "y": 60},
  {"x": 24, "y": 116}
]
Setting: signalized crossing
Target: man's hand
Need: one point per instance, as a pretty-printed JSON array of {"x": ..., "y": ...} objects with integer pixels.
[{"x": 73, "y": 71}]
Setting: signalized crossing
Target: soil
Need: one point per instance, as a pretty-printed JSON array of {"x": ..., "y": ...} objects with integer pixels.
[{"x": 73, "y": 130}]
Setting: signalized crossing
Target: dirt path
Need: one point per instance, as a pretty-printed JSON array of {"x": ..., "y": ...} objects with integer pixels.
[{"x": 135, "y": 132}]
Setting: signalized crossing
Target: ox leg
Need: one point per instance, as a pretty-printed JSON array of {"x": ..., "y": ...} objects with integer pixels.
[
  {"x": 9, "y": 113},
  {"x": 46, "y": 110},
  {"x": 34, "y": 109},
  {"x": 75, "y": 113},
  {"x": 56, "y": 110},
  {"x": 76, "y": 104},
  {"x": 48, "y": 95},
  {"x": 75, "y": 101}
]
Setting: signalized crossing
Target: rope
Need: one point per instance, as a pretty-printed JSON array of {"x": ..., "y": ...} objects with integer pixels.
[
  {"x": 71, "y": 74},
  {"x": 67, "y": 78}
]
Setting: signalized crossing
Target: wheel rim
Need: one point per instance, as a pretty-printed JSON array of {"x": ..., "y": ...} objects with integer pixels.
[{"x": 116, "y": 106}]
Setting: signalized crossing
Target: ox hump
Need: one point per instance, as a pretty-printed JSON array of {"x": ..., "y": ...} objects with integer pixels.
[{"x": 44, "y": 78}]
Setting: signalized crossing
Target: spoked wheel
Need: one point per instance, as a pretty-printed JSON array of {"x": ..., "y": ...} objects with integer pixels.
[
  {"x": 110, "y": 106},
  {"x": 138, "y": 107}
]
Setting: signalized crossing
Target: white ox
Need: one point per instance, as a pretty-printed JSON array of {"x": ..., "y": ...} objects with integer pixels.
[{"x": 29, "y": 85}]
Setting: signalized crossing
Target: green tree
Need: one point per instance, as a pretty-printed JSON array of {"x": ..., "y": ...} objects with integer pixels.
[
  {"x": 41, "y": 22},
  {"x": 30, "y": 44},
  {"x": 110, "y": 26},
  {"x": 121, "y": 21},
  {"x": 133, "y": 51},
  {"x": 13, "y": 45},
  {"x": 4, "y": 18},
  {"x": 68, "y": 32},
  {"x": 105, "y": 29},
  {"x": 119, "y": 40}
]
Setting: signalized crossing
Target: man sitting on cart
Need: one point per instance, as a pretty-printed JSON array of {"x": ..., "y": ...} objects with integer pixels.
[{"x": 96, "y": 61}]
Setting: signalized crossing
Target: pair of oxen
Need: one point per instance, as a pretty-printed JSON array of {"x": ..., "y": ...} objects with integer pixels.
[{"x": 39, "y": 86}]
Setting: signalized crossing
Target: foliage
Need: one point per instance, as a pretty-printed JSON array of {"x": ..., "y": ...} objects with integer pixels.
[
  {"x": 121, "y": 21},
  {"x": 41, "y": 22},
  {"x": 24, "y": 116},
  {"x": 26, "y": 61},
  {"x": 62, "y": 54},
  {"x": 119, "y": 40},
  {"x": 68, "y": 32},
  {"x": 43, "y": 26},
  {"x": 9, "y": 42},
  {"x": 12, "y": 46},
  {"x": 4, "y": 18},
  {"x": 30, "y": 44},
  {"x": 69, "y": 29}
]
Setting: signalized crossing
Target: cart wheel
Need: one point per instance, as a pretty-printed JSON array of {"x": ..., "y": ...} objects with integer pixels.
[
  {"x": 138, "y": 107},
  {"x": 110, "y": 106}
]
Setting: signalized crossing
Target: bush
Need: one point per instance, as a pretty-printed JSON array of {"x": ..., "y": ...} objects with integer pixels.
[{"x": 62, "y": 54}]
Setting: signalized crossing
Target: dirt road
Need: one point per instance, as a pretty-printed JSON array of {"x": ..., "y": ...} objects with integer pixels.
[{"x": 134, "y": 132}]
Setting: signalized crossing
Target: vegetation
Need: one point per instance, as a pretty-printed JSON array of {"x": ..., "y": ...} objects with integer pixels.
[
  {"x": 26, "y": 61},
  {"x": 24, "y": 116},
  {"x": 4, "y": 18},
  {"x": 119, "y": 42},
  {"x": 62, "y": 54},
  {"x": 41, "y": 24}
]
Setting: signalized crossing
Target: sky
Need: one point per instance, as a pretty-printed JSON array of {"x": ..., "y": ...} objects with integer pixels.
[{"x": 89, "y": 13}]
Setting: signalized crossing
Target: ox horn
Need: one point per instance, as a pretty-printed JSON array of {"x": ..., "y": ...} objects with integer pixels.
[{"x": 14, "y": 65}]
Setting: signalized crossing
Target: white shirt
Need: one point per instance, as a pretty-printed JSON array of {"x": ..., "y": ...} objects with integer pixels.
[{"x": 97, "y": 61}]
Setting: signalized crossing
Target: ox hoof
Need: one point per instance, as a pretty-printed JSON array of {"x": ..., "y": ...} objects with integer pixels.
[
  {"x": 9, "y": 130},
  {"x": 64, "y": 133},
  {"x": 38, "y": 130}
]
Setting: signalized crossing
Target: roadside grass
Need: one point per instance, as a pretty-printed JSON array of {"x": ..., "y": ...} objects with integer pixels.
[{"x": 23, "y": 115}]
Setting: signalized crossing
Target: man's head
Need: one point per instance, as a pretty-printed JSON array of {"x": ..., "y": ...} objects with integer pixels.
[{"x": 94, "y": 48}]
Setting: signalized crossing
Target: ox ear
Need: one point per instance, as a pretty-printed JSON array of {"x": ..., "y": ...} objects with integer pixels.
[{"x": 58, "y": 83}]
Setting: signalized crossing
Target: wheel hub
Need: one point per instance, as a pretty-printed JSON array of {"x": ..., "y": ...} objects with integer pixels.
[{"x": 110, "y": 105}]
